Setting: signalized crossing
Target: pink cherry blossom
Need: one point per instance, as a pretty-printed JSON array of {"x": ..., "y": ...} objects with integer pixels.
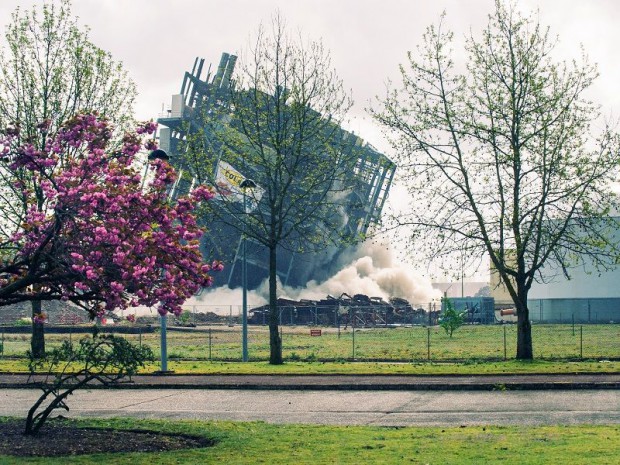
[{"x": 93, "y": 232}]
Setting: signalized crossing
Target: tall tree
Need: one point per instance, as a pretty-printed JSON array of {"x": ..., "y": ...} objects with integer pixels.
[
  {"x": 501, "y": 160},
  {"x": 279, "y": 128},
  {"x": 49, "y": 71}
]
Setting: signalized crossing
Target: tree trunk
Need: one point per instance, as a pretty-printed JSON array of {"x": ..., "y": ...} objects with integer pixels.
[
  {"x": 524, "y": 329},
  {"x": 275, "y": 342},
  {"x": 37, "y": 342}
]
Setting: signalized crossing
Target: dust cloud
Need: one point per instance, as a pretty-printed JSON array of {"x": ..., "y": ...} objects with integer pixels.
[{"x": 369, "y": 269}]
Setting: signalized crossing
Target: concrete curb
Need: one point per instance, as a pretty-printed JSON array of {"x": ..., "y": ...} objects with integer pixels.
[{"x": 350, "y": 382}]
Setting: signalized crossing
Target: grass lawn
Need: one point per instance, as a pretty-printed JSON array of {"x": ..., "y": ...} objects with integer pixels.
[
  {"x": 257, "y": 442},
  {"x": 19, "y": 365},
  {"x": 403, "y": 344}
]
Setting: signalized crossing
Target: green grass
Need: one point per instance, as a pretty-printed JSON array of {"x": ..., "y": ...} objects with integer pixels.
[
  {"x": 478, "y": 342},
  {"x": 364, "y": 368},
  {"x": 257, "y": 442}
]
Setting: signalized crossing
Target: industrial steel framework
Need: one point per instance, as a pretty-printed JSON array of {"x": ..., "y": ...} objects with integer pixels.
[{"x": 373, "y": 174}]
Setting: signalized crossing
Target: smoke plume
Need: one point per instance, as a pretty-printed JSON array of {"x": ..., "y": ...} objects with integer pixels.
[{"x": 369, "y": 269}]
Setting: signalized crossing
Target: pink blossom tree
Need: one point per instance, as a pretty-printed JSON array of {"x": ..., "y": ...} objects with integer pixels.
[
  {"x": 86, "y": 227},
  {"x": 50, "y": 70}
]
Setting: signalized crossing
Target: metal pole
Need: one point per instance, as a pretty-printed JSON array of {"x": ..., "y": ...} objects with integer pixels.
[
  {"x": 581, "y": 342},
  {"x": 245, "y": 184},
  {"x": 505, "y": 355},
  {"x": 462, "y": 275},
  {"x": 159, "y": 154},
  {"x": 428, "y": 342},
  {"x": 164, "y": 344},
  {"x": 244, "y": 283},
  {"x": 337, "y": 316},
  {"x": 210, "y": 344}
]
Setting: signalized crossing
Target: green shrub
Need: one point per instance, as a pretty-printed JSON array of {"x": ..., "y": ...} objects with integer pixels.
[
  {"x": 451, "y": 320},
  {"x": 105, "y": 359}
]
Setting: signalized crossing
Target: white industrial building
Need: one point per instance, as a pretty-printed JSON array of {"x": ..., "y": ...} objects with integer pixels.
[
  {"x": 589, "y": 296},
  {"x": 586, "y": 296}
]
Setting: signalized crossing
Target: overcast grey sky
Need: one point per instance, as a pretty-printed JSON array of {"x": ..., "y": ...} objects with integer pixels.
[{"x": 158, "y": 40}]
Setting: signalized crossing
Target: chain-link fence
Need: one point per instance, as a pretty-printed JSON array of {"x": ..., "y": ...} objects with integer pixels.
[
  {"x": 316, "y": 343},
  {"x": 336, "y": 332}
]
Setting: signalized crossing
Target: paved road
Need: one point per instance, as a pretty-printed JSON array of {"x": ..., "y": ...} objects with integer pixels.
[{"x": 387, "y": 408}]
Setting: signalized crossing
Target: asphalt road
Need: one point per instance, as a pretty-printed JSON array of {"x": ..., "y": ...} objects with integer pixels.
[{"x": 386, "y": 408}]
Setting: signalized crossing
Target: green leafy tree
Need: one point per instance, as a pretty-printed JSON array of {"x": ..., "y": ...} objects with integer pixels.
[
  {"x": 281, "y": 131},
  {"x": 501, "y": 160},
  {"x": 451, "y": 320},
  {"x": 49, "y": 71}
]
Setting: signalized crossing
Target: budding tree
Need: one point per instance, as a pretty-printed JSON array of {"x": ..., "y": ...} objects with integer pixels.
[
  {"x": 280, "y": 129},
  {"x": 502, "y": 160}
]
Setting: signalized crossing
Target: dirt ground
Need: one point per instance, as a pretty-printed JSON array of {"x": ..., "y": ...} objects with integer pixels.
[{"x": 60, "y": 437}]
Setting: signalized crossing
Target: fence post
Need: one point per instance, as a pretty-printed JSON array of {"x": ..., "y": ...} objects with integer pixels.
[
  {"x": 2, "y": 344},
  {"x": 353, "y": 352},
  {"x": 140, "y": 336},
  {"x": 505, "y": 355},
  {"x": 573, "y": 324},
  {"x": 428, "y": 342},
  {"x": 210, "y": 344},
  {"x": 581, "y": 342}
]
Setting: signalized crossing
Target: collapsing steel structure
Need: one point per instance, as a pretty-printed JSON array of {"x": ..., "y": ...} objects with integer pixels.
[
  {"x": 373, "y": 174},
  {"x": 358, "y": 311}
]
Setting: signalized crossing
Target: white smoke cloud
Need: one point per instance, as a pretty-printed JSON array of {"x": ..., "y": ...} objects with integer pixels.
[
  {"x": 219, "y": 300},
  {"x": 370, "y": 269}
]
